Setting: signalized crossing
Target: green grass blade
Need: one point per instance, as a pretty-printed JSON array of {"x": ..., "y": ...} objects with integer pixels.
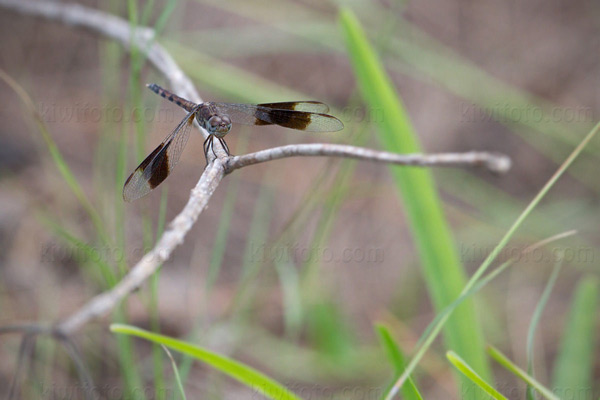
[
  {"x": 533, "y": 204},
  {"x": 147, "y": 12},
  {"x": 510, "y": 366},
  {"x": 222, "y": 235},
  {"x": 328, "y": 330},
  {"x": 391, "y": 347},
  {"x": 483, "y": 282},
  {"x": 130, "y": 368},
  {"x": 127, "y": 362},
  {"x": 574, "y": 366},
  {"x": 290, "y": 293},
  {"x": 334, "y": 201},
  {"x": 59, "y": 161},
  {"x": 308, "y": 288},
  {"x": 104, "y": 274},
  {"x": 120, "y": 176},
  {"x": 137, "y": 102},
  {"x": 467, "y": 371},
  {"x": 539, "y": 309},
  {"x": 164, "y": 16},
  {"x": 444, "y": 273},
  {"x": 495, "y": 252},
  {"x": 251, "y": 264},
  {"x": 157, "y": 356},
  {"x": 227, "y": 79},
  {"x": 409, "y": 391},
  {"x": 175, "y": 373},
  {"x": 250, "y": 377}
]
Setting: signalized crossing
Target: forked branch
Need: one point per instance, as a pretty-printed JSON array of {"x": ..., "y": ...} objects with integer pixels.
[{"x": 143, "y": 38}]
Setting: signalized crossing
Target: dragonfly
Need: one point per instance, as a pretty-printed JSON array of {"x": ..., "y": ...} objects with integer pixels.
[{"x": 217, "y": 119}]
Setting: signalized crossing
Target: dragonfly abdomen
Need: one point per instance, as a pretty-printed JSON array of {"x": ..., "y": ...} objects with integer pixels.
[{"x": 172, "y": 97}]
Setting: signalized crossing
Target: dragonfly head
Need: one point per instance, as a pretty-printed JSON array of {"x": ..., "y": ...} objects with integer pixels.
[{"x": 218, "y": 125}]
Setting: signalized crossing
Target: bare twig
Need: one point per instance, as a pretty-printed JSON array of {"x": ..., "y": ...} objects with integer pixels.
[
  {"x": 25, "y": 328},
  {"x": 26, "y": 350},
  {"x": 494, "y": 162},
  {"x": 30, "y": 332},
  {"x": 116, "y": 28},
  {"x": 172, "y": 237},
  {"x": 87, "y": 384}
]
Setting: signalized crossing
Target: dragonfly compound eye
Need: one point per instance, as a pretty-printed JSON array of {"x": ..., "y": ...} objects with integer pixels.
[
  {"x": 213, "y": 124},
  {"x": 225, "y": 125}
]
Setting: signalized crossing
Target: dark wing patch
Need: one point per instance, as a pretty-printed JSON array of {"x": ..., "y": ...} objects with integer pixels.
[
  {"x": 308, "y": 106},
  {"x": 158, "y": 165},
  {"x": 260, "y": 115},
  {"x": 299, "y": 120}
]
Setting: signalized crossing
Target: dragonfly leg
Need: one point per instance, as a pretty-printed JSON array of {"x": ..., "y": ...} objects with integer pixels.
[
  {"x": 225, "y": 147},
  {"x": 212, "y": 147},
  {"x": 207, "y": 145}
]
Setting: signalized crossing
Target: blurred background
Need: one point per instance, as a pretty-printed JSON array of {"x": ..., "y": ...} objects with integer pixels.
[{"x": 295, "y": 260}]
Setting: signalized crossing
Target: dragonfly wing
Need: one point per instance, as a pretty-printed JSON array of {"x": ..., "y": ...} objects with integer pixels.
[
  {"x": 159, "y": 164},
  {"x": 300, "y": 120}
]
